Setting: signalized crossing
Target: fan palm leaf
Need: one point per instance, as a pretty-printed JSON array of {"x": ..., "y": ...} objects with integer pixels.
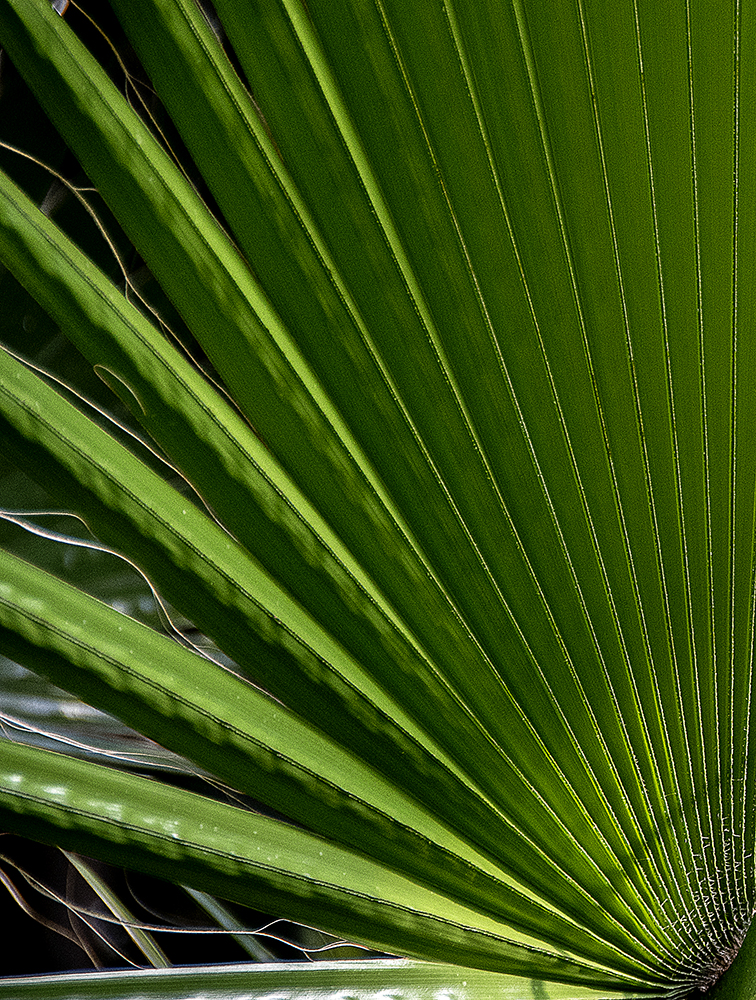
[{"x": 473, "y": 482}]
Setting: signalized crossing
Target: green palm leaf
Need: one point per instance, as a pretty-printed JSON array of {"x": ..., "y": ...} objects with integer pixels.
[{"x": 468, "y": 502}]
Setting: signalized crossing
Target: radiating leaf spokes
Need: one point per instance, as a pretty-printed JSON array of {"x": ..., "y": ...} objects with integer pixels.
[{"x": 487, "y": 306}]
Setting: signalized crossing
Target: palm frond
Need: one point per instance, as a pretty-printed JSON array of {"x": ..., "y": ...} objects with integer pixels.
[{"x": 455, "y": 394}]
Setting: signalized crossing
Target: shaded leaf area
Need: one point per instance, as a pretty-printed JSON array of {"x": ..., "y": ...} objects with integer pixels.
[
  {"x": 434, "y": 427},
  {"x": 83, "y": 914}
]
